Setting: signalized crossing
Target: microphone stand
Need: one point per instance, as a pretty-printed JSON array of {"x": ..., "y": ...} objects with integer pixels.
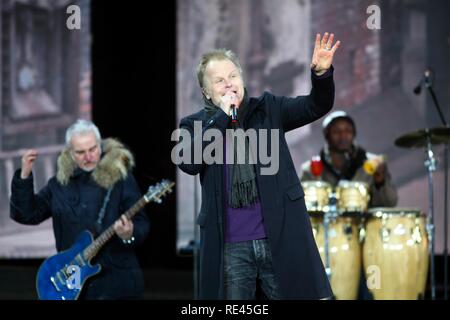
[
  {"x": 430, "y": 163},
  {"x": 428, "y": 84}
]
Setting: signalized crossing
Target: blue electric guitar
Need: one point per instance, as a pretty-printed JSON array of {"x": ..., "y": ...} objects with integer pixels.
[{"x": 62, "y": 276}]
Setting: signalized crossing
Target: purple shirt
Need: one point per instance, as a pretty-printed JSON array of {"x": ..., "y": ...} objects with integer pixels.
[{"x": 242, "y": 224}]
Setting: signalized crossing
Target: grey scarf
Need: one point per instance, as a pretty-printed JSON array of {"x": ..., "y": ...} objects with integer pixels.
[{"x": 244, "y": 191}]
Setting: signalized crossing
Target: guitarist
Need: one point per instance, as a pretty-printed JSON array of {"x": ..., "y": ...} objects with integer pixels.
[{"x": 92, "y": 188}]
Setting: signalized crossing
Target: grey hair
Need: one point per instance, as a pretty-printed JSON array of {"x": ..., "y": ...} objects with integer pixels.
[
  {"x": 217, "y": 54},
  {"x": 82, "y": 126}
]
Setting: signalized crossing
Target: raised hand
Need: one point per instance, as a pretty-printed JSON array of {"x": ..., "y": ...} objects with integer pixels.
[
  {"x": 323, "y": 53},
  {"x": 28, "y": 159}
]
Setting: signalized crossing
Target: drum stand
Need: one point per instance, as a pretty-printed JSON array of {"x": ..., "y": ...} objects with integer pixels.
[
  {"x": 326, "y": 221},
  {"x": 430, "y": 163},
  {"x": 429, "y": 85},
  {"x": 331, "y": 213}
]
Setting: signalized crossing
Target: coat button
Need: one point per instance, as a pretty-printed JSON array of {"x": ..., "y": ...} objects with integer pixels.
[{"x": 211, "y": 121}]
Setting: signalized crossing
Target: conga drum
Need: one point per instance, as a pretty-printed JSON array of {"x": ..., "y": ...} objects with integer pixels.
[
  {"x": 317, "y": 195},
  {"x": 395, "y": 253},
  {"x": 344, "y": 247},
  {"x": 352, "y": 196},
  {"x": 344, "y": 250}
]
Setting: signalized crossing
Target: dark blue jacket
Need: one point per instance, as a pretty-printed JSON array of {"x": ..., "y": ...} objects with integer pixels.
[{"x": 74, "y": 204}]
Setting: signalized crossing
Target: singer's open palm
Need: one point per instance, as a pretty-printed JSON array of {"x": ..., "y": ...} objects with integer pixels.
[{"x": 323, "y": 52}]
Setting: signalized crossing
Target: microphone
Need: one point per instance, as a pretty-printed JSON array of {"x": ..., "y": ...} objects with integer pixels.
[
  {"x": 426, "y": 79},
  {"x": 233, "y": 113}
]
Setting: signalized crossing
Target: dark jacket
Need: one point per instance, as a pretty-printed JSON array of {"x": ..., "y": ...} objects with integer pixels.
[
  {"x": 296, "y": 260},
  {"x": 73, "y": 200}
]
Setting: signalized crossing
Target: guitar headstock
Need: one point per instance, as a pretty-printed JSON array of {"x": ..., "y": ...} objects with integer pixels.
[{"x": 156, "y": 192}]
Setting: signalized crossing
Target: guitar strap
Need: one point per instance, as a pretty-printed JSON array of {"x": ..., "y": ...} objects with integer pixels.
[{"x": 101, "y": 214}]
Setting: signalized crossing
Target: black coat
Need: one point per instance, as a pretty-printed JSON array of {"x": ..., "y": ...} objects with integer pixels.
[
  {"x": 74, "y": 207},
  {"x": 296, "y": 260}
]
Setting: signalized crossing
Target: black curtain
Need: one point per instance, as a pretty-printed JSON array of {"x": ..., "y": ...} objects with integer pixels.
[{"x": 133, "y": 61}]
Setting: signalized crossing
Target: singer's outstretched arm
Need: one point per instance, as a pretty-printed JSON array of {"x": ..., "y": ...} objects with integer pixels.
[{"x": 299, "y": 111}]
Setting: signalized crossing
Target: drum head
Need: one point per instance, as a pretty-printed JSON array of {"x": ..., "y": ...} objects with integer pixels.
[
  {"x": 317, "y": 195},
  {"x": 315, "y": 184},
  {"x": 352, "y": 184},
  {"x": 380, "y": 211},
  {"x": 352, "y": 196}
]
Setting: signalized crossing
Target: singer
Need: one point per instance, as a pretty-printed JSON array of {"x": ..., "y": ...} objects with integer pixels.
[{"x": 255, "y": 228}]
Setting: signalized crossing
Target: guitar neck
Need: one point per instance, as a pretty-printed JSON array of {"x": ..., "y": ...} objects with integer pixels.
[{"x": 92, "y": 250}]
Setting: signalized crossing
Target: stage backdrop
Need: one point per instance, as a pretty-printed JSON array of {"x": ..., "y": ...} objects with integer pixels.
[
  {"x": 45, "y": 81},
  {"x": 375, "y": 73}
]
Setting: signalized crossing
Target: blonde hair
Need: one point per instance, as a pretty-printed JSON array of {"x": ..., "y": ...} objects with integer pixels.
[{"x": 217, "y": 54}]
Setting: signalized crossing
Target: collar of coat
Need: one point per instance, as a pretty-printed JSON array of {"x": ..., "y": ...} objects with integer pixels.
[{"x": 114, "y": 165}]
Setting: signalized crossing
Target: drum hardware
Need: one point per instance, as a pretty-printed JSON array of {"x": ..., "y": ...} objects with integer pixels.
[
  {"x": 385, "y": 231},
  {"x": 348, "y": 230},
  {"x": 427, "y": 138},
  {"x": 362, "y": 231},
  {"x": 416, "y": 234},
  {"x": 333, "y": 212},
  {"x": 399, "y": 230},
  {"x": 430, "y": 164},
  {"x": 330, "y": 215},
  {"x": 317, "y": 199},
  {"x": 326, "y": 222}
]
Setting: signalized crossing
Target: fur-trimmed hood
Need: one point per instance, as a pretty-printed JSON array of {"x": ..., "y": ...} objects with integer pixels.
[{"x": 114, "y": 165}]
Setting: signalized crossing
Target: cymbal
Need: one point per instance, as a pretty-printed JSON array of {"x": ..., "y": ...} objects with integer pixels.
[{"x": 419, "y": 139}]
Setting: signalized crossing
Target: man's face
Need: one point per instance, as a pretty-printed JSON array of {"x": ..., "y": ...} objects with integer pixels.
[
  {"x": 222, "y": 77},
  {"x": 85, "y": 150},
  {"x": 340, "y": 135}
]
